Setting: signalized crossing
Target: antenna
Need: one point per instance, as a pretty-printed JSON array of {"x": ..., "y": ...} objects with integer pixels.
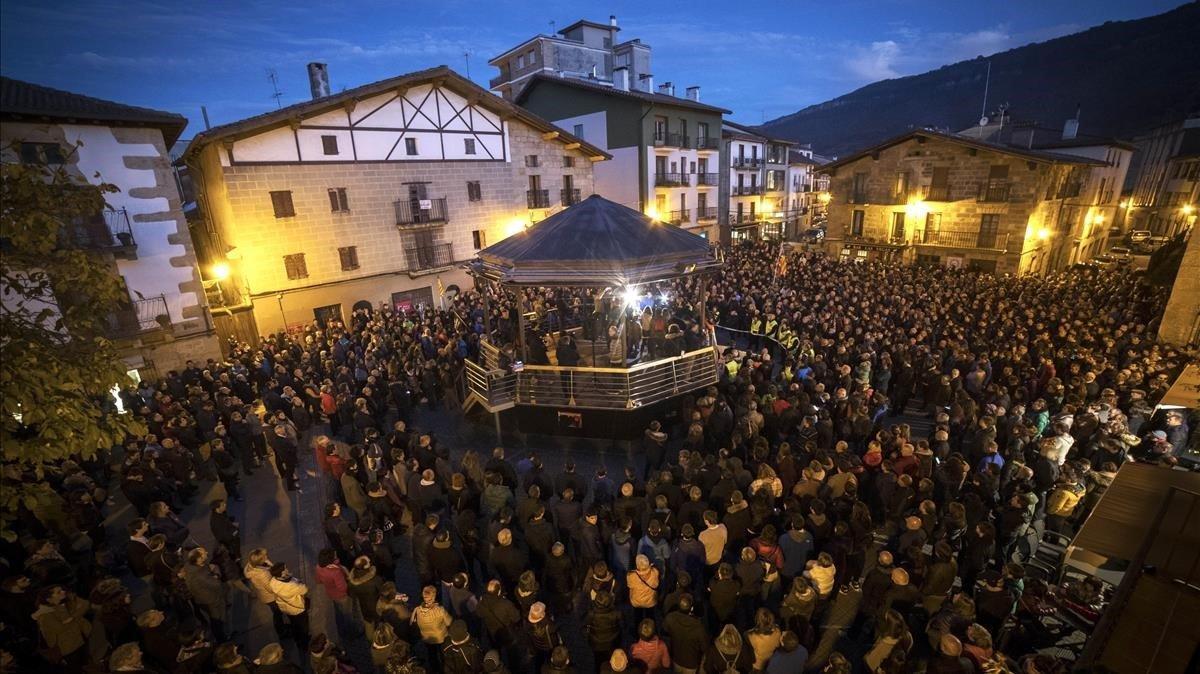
[
  {"x": 276, "y": 93},
  {"x": 204, "y": 113},
  {"x": 983, "y": 113},
  {"x": 467, "y": 58}
]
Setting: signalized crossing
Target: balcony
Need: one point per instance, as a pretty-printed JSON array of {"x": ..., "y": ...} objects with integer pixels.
[
  {"x": 993, "y": 192},
  {"x": 708, "y": 179},
  {"x": 569, "y": 197},
  {"x": 705, "y": 143},
  {"x": 679, "y": 217},
  {"x": 433, "y": 256},
  {"x": 670, "y": 179},
  {"x": 937, "y": 193},
  {"x": 538, "y": 198},
  {"x": 496, "y": 81},
  {"x": 410, "y": 212},
  {"x": 747, "y": 163},
  {"x": 108, "y": 230},
  {"x": 746, "y": 190},
  {"x": 664, "y": 139},
  {"x": 707, "y": 213},
  {"x": 944, "y": 239},
  {"x": 137, "y": 317},
  {"x": 745, "y": 218}
]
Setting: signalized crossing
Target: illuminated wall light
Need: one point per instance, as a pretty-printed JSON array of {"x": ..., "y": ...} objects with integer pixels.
[
  {"x": 652, "y": 213},
  {"x": 1043, "y": 233},
  {"x": 1188, "y": 209},
  {"x": 220, "y": 271}
]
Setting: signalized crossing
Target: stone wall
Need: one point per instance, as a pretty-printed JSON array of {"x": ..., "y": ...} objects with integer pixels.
[{"x": 1181, "y": 320}]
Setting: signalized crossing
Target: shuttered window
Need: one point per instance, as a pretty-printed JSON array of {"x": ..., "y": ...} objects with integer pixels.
[
  {"x": 338, "y": 202},
  {"x": 348, "y": 257},
  {"x": 281, "y": 202},
  {"x": 295, "y": 266}
]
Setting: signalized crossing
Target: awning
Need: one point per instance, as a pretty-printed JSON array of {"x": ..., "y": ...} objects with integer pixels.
[
  {"x": 1185, "y": 392},
  {"x": 1125, "y": 518}
]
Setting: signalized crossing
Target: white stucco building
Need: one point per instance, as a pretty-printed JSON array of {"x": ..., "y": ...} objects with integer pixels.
[{"x": 142, "y": 233}]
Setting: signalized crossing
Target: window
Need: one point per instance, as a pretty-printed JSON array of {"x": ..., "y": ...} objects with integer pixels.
[
  {"x": 349, "y": 258},
  {"x": 859, "y": 192},
  {"x": 468, "y": 146},
  {"x": 41, "y": 153},
  {"x": 520, "y": 60},
  {"x": 578, "y": 131},
  {"x": 701, "y": 133},
  {"x": 660, "y": 129},
  {"x": 660, "y": 204},
  {"x": 701, "y": 202},
  {"x": 898, "y": 226},
  {"x": 531, "y": 57},
  {"x": 338, "y": 203},
  {"x": 531, "y": 160},
  {"x": 410, "y": 146},
  {"x": 856, "y": 223},
  {"x": 478, "y": 239},
  {"x": 295, "y": 266},
  {"x": 568, "y": 161},
  {"x": 901, "y": 184},
  {"x": 933, "y": 227},
  {"x": 281, "y": 201},
  {"x": 988, "y": 226},
  {"x": 474, "y": 193},
  {"x": 329, "y": 144}
]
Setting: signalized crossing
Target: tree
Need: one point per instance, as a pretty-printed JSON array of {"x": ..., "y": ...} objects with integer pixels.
[{"x": 57, "y": 368}]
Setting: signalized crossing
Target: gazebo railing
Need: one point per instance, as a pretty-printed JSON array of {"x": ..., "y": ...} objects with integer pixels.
[{"x": 594, "y": 387}]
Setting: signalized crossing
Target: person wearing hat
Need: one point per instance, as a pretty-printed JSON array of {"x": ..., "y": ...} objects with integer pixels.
[
  {"x": 728, "y": 653},
  {"x": 270, "y": 660},
  {"x": 541, "y": 635}
]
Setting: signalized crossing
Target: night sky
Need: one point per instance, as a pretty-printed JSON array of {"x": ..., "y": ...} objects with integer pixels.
[{"x": 761, "y": 60}]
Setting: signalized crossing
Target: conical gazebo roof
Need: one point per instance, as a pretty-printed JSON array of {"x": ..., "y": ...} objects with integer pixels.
[{"x": 596, "y": 242}]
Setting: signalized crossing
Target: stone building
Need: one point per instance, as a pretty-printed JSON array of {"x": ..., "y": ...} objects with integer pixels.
[
  {"x": 373, "y": 195},
  {"x": 666, "y": 150},
  {"x": 1164, "y": 196},
  {"x": 142, "y": 234},
  {"x": 584, "y": 50},
  {"x": 938, "y": 198}
]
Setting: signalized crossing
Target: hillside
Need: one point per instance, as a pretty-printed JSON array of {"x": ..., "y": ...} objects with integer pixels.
[{"x": 1126, "y": 76}]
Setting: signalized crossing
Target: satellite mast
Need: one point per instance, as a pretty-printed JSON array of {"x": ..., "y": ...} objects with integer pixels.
[
  {"x": 276, "y": 93},
  {"x": 467, "y": 58},
  {"x": 983, "y": 120}
]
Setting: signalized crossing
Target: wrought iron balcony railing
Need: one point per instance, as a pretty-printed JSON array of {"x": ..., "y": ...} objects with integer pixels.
[
  {"x": 670, "y": 179},
  {"x": 429, "y": 257},
  {"x": 746, "y": 162},
  {"x": 107, "y": 230},
  {"x": 139, "y": 316},
  {"x": 708, "y": 179},
  {"x": 679, "y": 217},
  {"x": 538, "y": 198},
  {"x": 950, "y": 239},
  {"x": 706, "y": 213},
  {"x": 570, "y": 197},
  {"x": 747, "y": 190},
  {"x": 706, "y": 143},
  {"x": 421, "y": 211},
  {"x": 994, "y": 191}
]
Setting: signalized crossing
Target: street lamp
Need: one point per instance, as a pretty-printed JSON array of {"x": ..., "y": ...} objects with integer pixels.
[{"x": 220, "y": 271}]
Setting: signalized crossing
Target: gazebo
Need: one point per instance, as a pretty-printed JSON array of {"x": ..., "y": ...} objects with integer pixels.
[{"x": 615, "y": 265}]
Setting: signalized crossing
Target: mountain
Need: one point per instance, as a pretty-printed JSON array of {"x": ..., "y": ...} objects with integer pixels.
[{"x": 1125, "y": 76}]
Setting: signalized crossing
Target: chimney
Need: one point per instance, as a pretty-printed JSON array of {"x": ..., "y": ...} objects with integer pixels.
[
  {"x": 621, "y": 78},
  {"x": 318, "y": 80},
  {"x": 612, "y": 20},
  {"x": 647, "y": 83},
  {"x": 666, "y": 88},
  {"x": 693, "y": 93},
  {"x": 1071, "y": 127}
]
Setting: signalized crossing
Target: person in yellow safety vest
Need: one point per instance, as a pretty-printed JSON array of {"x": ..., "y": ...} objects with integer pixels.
[
  {"x": 756, "y": 329},
  {"x": 771, "y": 326},
  {"x": 731, "y": 364}
]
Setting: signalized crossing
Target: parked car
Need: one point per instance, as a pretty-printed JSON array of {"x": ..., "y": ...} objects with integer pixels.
[
  {"x": 1120, "y": 252},
  {"x": 814, "y": 233},
  {"x": 1104, "y": 261},
  {"x": 1139, "y": 236}
]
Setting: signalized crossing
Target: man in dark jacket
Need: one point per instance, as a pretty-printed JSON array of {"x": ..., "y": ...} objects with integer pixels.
[
  {"x": 500, "y": 617},
  {"x": 687, "y": 635},
  {"x": 461, "y": 654},
  {"x": 138, "y": 547},
  {"x": 225, "y": 529},
  {"x": 286, "y": 456}
]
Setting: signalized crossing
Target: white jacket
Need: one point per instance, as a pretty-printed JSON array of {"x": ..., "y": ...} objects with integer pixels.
[
  {"x": 260, "y": 580},
  {"x": 289, "y": 595}
]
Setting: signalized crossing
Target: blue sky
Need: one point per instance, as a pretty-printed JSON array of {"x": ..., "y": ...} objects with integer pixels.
[{"x": 761, "y": 60}]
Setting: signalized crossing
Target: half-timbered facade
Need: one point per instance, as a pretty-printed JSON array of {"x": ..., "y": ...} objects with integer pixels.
[{"x": 372, "y": 195}]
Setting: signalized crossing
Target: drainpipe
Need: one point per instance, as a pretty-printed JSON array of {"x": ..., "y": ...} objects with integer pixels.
[{"x": 643, "y": 171}]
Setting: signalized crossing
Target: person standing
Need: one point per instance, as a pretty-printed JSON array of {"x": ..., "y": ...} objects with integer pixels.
[
  {"x": 286, "y": 456},
  {"x": 225, "y": 529},
  {"x": 208, "y": 592},
  {"x": 64, "y": 628},
  {"x": 333, "y": 576},
  {"x": 291, "y": 597}
]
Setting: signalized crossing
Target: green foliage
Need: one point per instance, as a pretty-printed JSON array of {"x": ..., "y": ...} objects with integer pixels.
[{"x": 57, "y": 368}]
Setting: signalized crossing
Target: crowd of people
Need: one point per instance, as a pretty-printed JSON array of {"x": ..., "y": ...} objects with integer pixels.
[{"x": 784, "y": 519}]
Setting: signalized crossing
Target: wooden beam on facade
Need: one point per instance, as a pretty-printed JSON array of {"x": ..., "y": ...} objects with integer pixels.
[{"x": 550, "y": 135}]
